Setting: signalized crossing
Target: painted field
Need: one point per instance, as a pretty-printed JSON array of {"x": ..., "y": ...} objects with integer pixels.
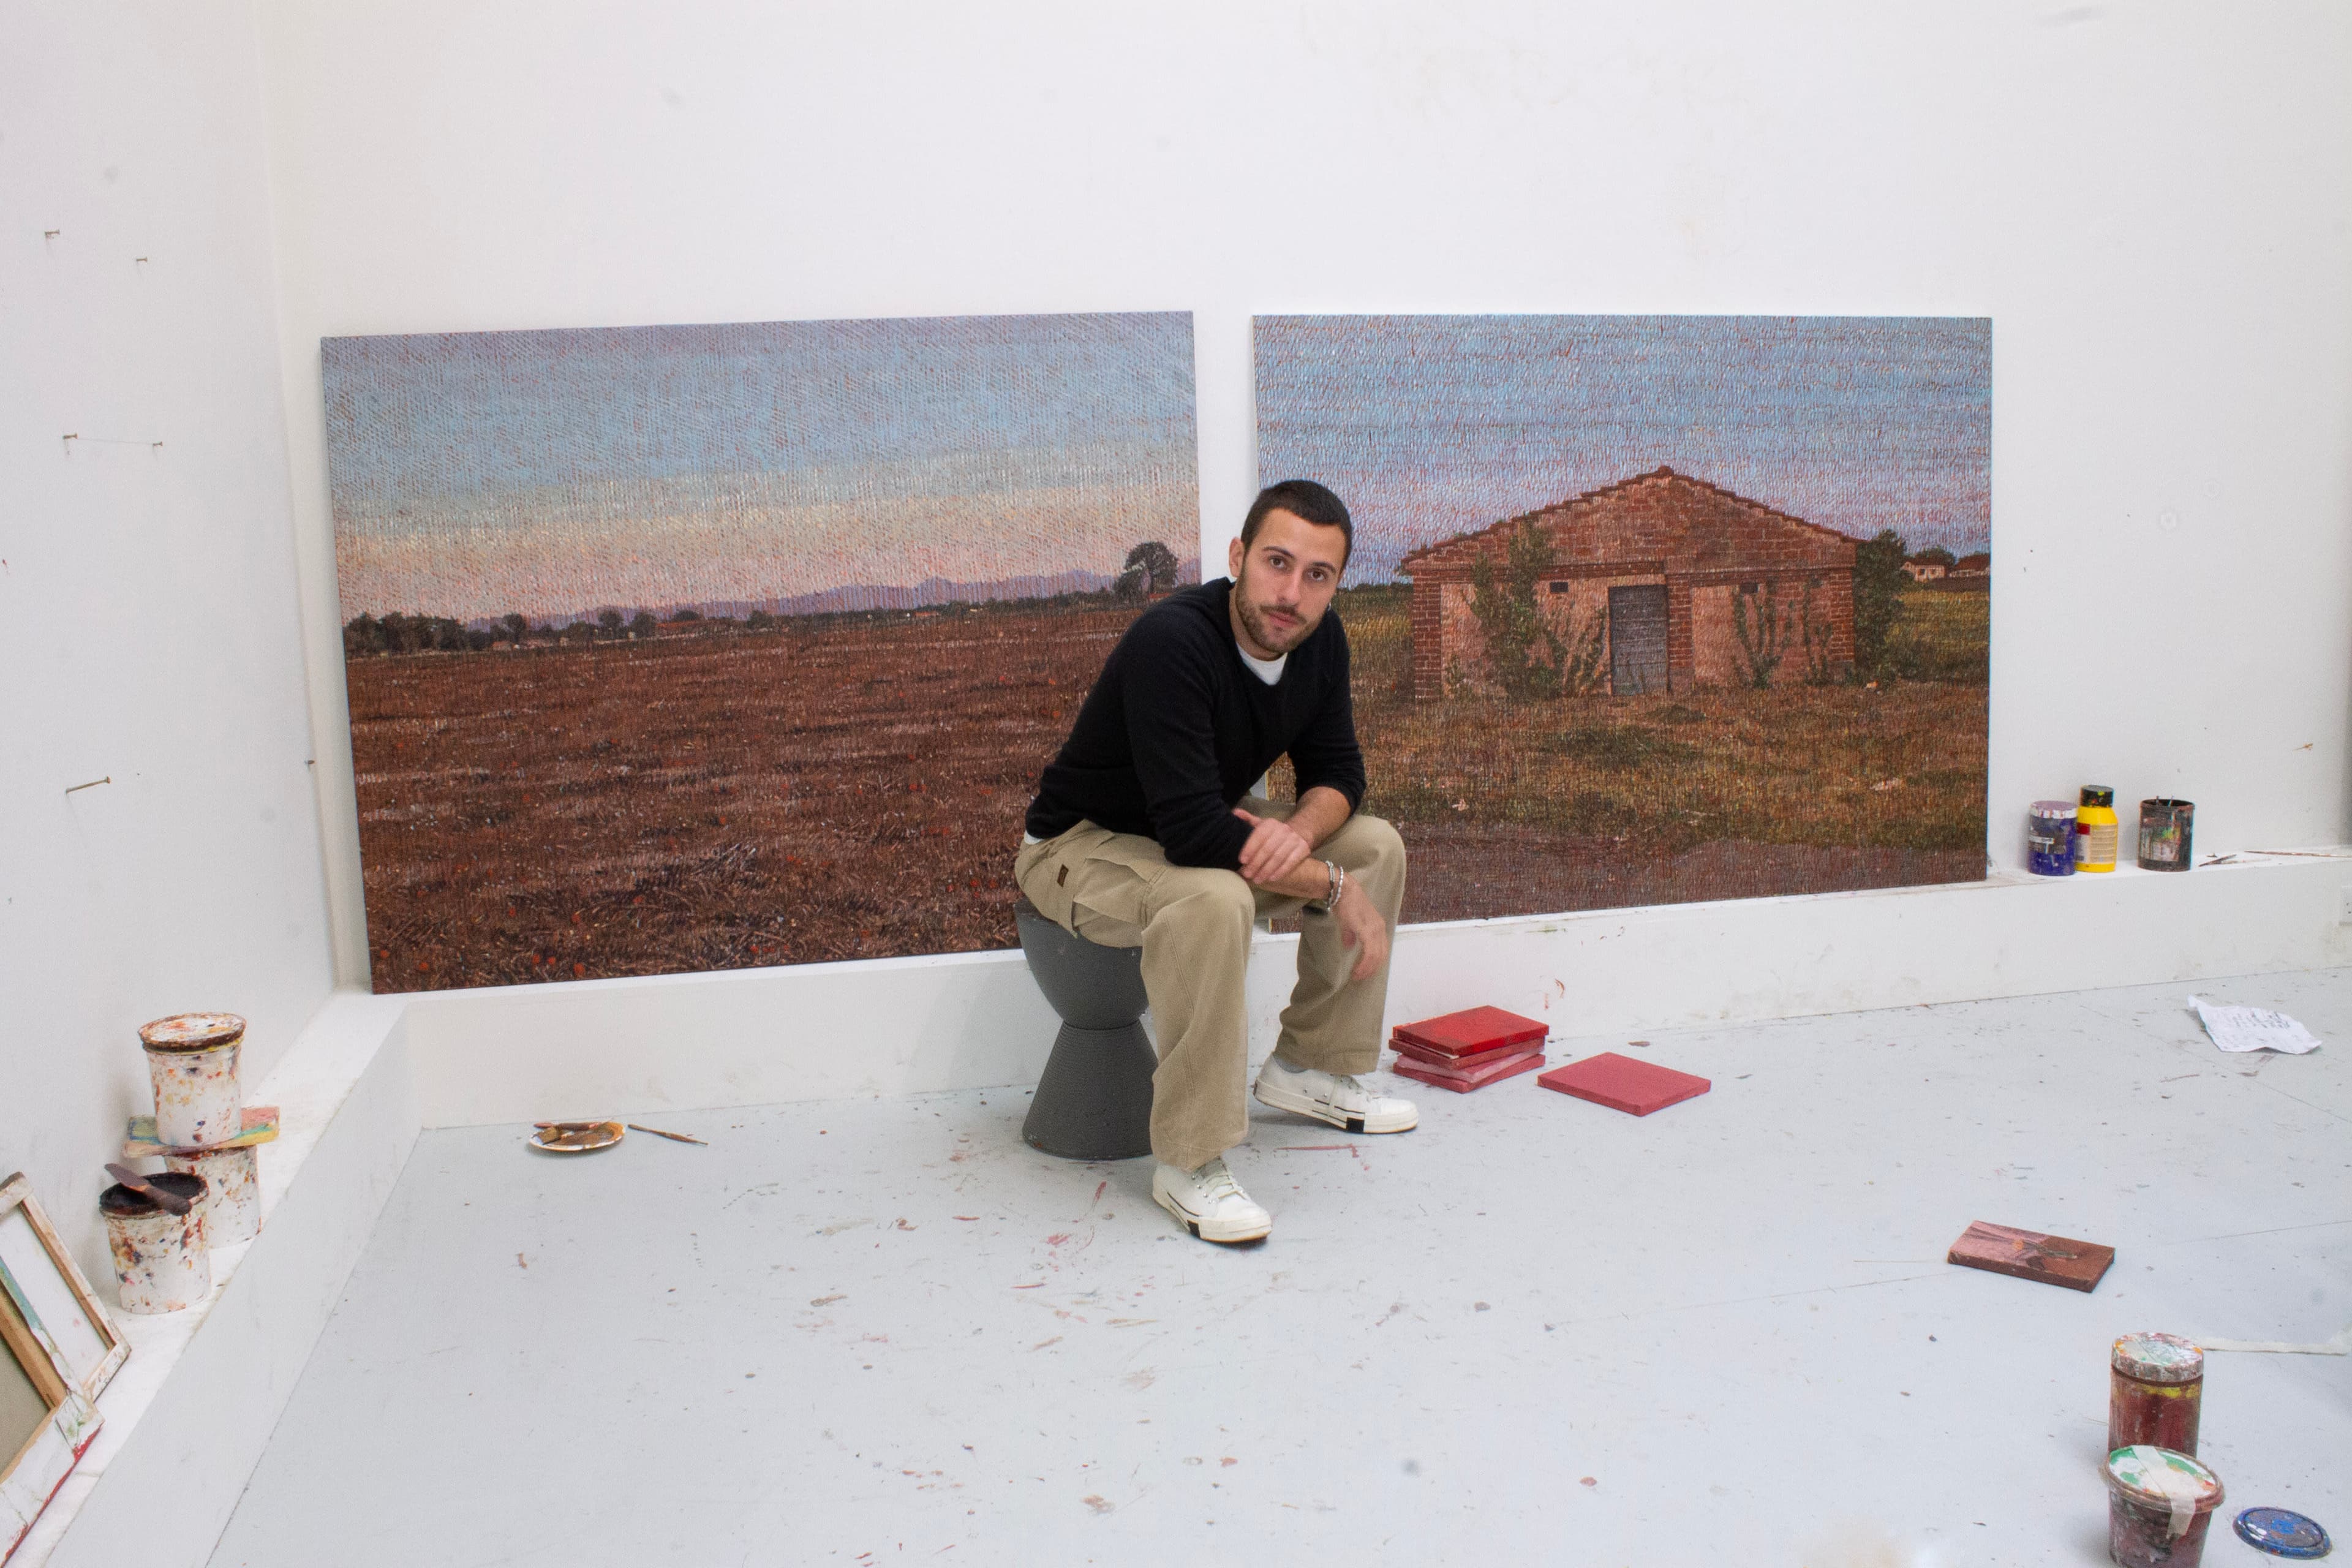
[
  {"x": 843, "y": 787},
  {"x": 1597, "y": 802}
]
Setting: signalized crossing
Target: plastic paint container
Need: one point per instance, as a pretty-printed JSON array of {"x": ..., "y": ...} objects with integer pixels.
[
  {"x": 161, "y": 1262},
  {"x": 232, "y": 1177},
  {"x": 2050, "y": 838},
  {"x": 2164, "y": 834},
  {"x": 2097, "y": 831},
  {"x": 2160, "y": 1505},
  {"x": 2156, "y": 1391},
  {"x": 2284, "y": 1534},
  {"x": 191, "y": 1058}
]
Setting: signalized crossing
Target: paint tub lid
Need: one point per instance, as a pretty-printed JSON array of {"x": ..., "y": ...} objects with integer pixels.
[
  {"x": 2098, "y": 794},
  {"x": 119, "y": 1202},
  {"x": 2054, "y": 808},
  {"x": 2159, "y": 1358},
  {"x": 2163, "y": 1480},
  {"x": 2282, "y": 1533},
  {"x": 191, "y": 1032}
]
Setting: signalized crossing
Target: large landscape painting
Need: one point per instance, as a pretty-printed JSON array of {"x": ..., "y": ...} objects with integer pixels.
[
  {"x": 696, "y": 647},
  {"x": 1647, "y": 609}
]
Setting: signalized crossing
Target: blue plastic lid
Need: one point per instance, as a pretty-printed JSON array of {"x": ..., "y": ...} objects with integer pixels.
[{"x": 2283, "y": 1534}]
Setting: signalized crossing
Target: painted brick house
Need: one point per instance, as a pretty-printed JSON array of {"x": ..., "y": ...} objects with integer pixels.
[{"x": 1685, "y": 574}]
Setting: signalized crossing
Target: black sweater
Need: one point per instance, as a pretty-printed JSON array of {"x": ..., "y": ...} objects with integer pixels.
[{"x": 1177, "y": 728}]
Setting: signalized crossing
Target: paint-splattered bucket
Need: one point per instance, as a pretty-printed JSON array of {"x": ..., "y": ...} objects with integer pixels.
[
  {"x": 2159, "y": 1504},
  {"x": 191, "y": 1058},
  {"x": 2164, "y": 834},
  {"x": 161, "y": 1262},
  {"x": 235, "y": 1212}
]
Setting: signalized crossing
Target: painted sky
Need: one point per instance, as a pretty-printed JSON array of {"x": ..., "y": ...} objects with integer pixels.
[
  {"x": 1431, "y": 425},
  {"x": 553, "y": 472}
]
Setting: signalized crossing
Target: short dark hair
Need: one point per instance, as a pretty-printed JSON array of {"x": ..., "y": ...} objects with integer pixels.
[{"x": 1308, "y": 501}]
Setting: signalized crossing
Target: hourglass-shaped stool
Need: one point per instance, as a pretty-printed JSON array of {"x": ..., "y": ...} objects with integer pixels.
[{"x": 1094, "y": 1101}]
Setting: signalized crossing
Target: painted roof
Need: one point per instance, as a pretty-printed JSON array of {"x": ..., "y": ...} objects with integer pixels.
[{"x": 1669, "y": 514}]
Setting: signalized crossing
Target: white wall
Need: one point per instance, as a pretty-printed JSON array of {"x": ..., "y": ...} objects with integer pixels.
[
  {"x": 148, "y": 608},
  {"x": 2149, "y": 200}
]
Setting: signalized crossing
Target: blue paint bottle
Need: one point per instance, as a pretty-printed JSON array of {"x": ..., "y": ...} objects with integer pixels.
[{"x": 2050, "y": 838}]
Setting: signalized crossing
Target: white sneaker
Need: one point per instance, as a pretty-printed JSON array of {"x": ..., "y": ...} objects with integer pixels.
[
  {"x": 1209, "y": 1203},
  {"x": 1334, "y": 1098}
]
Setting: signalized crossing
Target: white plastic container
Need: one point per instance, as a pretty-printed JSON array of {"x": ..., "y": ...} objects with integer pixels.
[{"x": 191, "y": 1059}]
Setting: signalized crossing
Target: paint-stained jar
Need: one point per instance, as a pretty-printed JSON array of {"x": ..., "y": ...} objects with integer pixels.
[
  {"x": 191, "y": 1062},
  {"x": 2156, "y": 1391},
  {"x": 2050, "y": 838},
  {"x": 2161, "y": 1503},
  {"x": 161, "y": 1261}
]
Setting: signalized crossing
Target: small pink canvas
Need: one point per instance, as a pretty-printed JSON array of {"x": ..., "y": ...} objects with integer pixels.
[
  {"x": 1623, "y": 1084},
  {"x": 1475, "y": 1078}
]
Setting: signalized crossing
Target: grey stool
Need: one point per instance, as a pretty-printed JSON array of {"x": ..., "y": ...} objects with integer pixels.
[{"x": 1094, "y": 1101}]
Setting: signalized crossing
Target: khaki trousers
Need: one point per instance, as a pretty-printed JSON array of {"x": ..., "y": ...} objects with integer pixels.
[{"x": 1194, "y": 925}]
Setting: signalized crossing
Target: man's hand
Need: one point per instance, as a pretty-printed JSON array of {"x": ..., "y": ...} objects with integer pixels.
[
  {"x": 1274, "y": 850},
  {"x": 1361, "y": 926}
]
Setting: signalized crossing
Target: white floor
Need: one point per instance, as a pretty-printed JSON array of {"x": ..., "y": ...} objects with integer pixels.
[{"x": 1533, "y": 1330}]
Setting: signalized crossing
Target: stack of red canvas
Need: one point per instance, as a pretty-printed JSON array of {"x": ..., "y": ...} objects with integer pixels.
[{"x": 1469, "y": 1049}]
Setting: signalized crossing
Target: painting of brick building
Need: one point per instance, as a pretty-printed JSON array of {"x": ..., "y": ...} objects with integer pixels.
[
  {"x": 1637, "y": 603},
  {"x": 1673, "y": 584}
]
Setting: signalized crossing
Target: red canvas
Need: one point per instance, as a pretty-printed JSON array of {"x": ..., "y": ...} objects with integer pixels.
[
  {"x": 1476, "y": 1078},
  {"x": 1421, "y": 1052},
  {"x": 1472, "y": 1030},
  {"x": 2030, "y": 1255},
  {"x": 1622, "y": 1083}
]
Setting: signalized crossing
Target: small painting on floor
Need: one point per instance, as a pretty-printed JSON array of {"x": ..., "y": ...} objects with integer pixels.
[
  {"x": 1654, "y": 609},
  {"x": 698, "y": 647}
]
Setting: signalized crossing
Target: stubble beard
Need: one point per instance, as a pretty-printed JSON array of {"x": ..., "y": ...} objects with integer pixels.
[{"x": 1261, "y": 630}]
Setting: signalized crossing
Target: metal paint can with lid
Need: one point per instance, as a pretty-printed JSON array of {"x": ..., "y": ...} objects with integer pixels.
[
  {"x": 2164, "y": 834},
  {"x": 192, "y": 1060},
  {"x": 2156, "y": 1392},
  {"x": 161, "y": 1262}
]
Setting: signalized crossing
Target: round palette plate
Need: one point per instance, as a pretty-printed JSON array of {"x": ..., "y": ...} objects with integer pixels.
[
  {"x": 2283, "y": 1534},
  {"x": 577, "y": 1137}
]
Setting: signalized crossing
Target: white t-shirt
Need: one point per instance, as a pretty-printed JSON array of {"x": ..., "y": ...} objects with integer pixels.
[{"x": 1266, "y": 669}]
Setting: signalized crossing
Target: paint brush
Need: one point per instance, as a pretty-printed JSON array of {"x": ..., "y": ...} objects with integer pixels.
[
  {"x": 171, "y": 1203},
  {"x": 680, "y": 1136}
]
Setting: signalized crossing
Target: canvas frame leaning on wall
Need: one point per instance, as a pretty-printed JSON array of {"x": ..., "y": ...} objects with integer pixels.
[{"x": 60, "y": 1351}]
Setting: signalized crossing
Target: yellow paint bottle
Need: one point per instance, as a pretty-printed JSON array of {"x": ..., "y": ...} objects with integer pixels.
[{"x": 2096, "y": 832}]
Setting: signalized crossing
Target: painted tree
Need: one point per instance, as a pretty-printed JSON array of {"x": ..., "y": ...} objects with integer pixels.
[
  {"x": 1527, "y": 655},
  {"x": 1878, "y": 580},
  {"x": 1157, "y": 563}
]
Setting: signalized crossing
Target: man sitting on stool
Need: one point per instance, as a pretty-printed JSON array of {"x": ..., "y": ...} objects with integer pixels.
[{"x": 1139, "y": 836}]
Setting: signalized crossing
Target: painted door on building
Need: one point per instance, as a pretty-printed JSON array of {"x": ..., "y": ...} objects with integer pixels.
[{"x": 1637, "y": 640}]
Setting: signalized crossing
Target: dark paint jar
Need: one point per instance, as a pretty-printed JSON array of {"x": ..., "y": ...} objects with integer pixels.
[
  {"x": 2160, "y": 1505},
  {"x": 2164, "y": 831},
  {"x": 2156, "y": 1392}
]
